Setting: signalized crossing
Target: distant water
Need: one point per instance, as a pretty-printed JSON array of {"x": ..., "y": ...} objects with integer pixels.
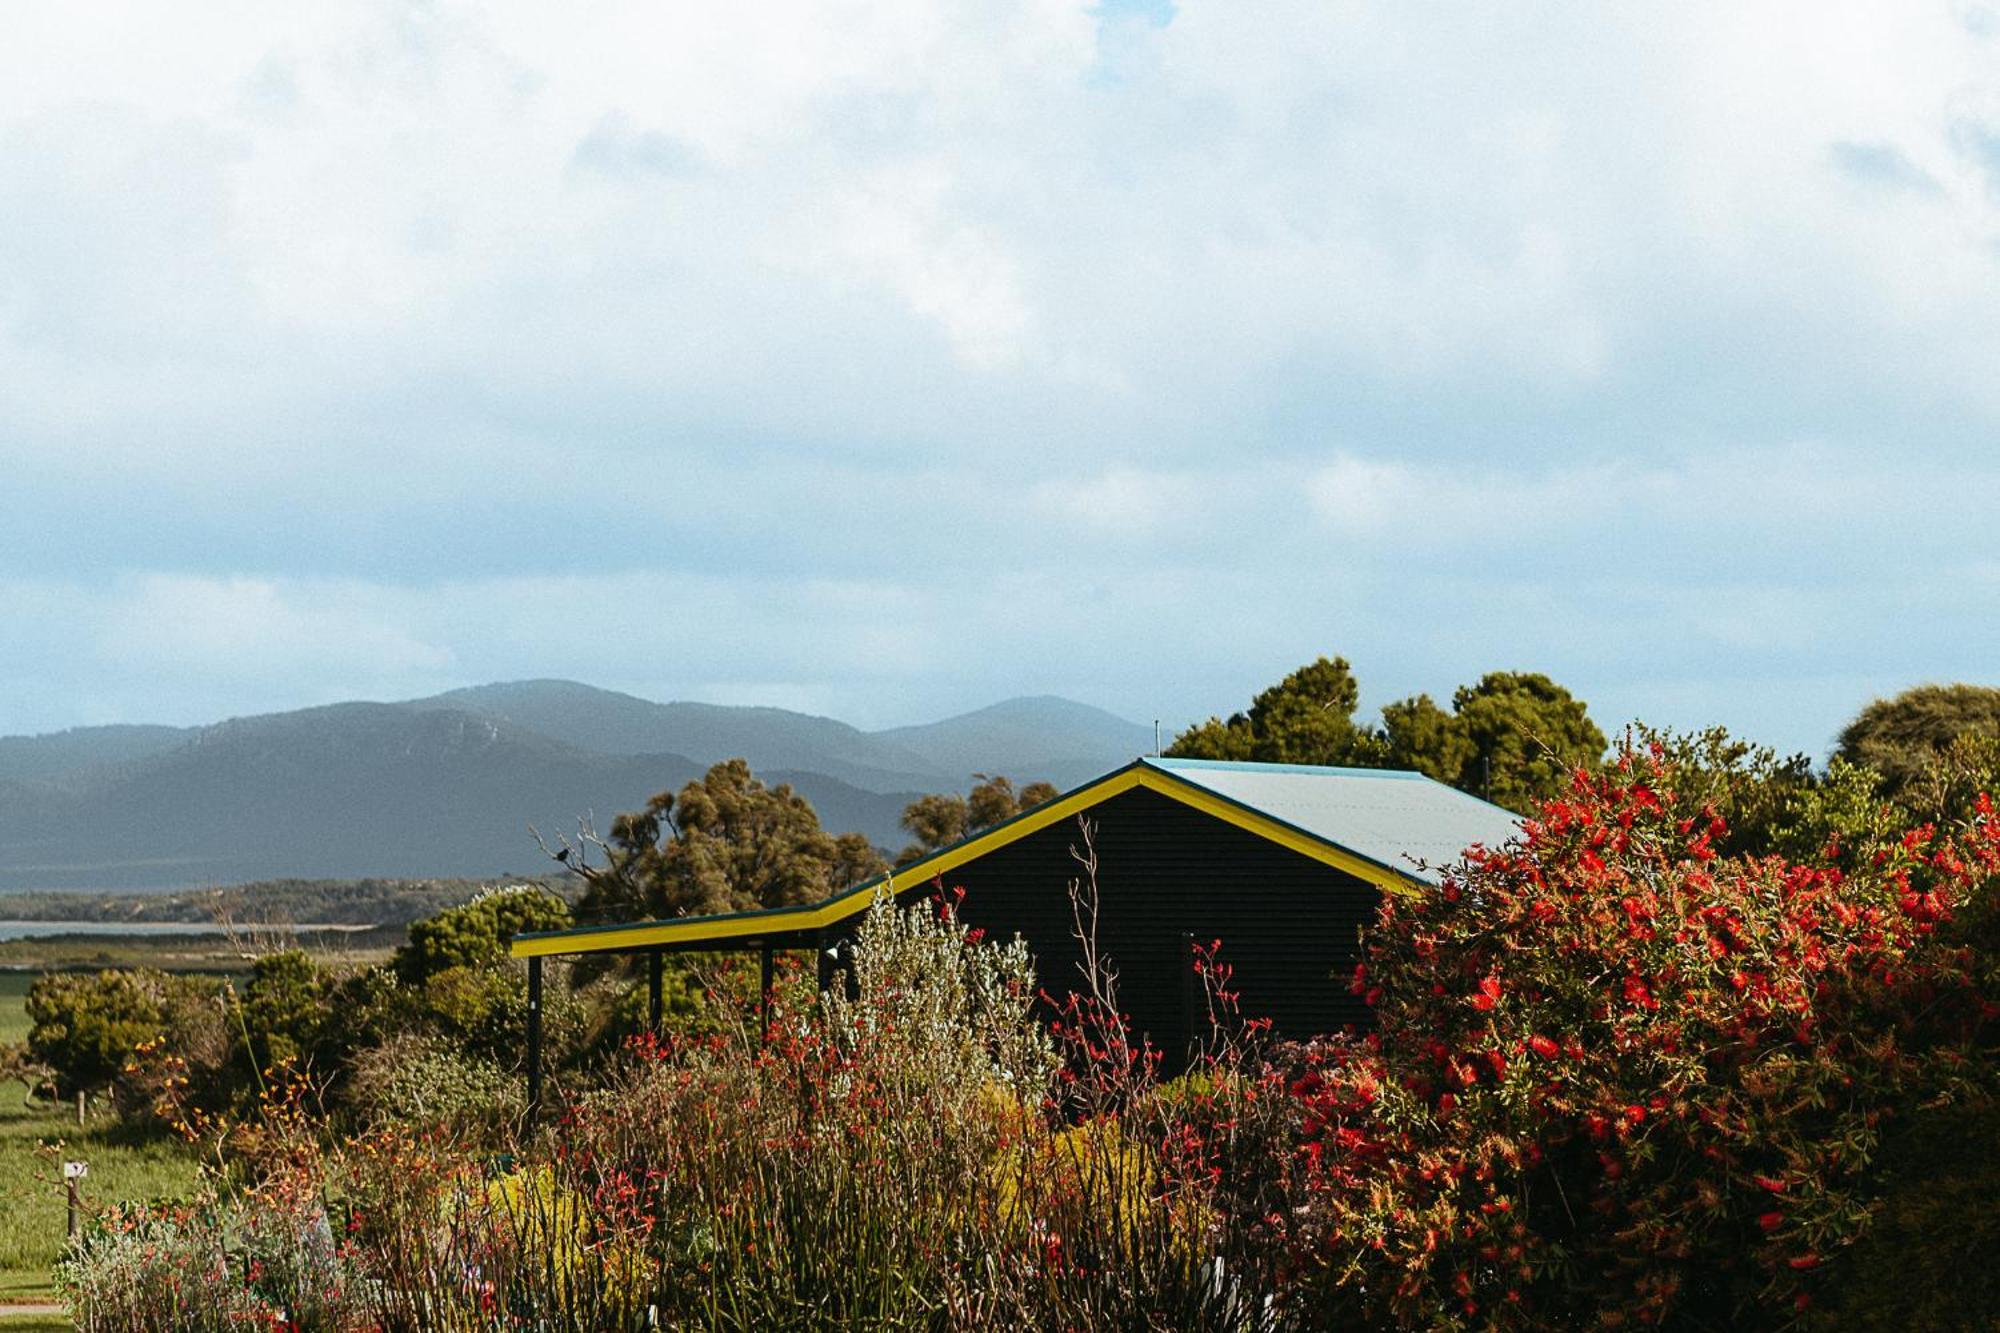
[{"x": 33, "y": 930}]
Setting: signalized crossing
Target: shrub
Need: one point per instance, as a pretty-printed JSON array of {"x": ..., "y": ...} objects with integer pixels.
[
  {"x": 1927, "y": 1260},
  {"x": 158, "y": 1268},
  {"x": 476, "y": 934},
  {"x": 1618, "y": 1078},
  {"x": 88, "y": 1027},
  {"x": 429, "y": 1084}
]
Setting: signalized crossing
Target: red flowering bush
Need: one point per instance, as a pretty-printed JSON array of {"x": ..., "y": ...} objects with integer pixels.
[{"x": 1619, "y": 1079}]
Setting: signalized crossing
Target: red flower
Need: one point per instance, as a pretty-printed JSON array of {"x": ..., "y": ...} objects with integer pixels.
[
  {"x": 1639, "y": 993},
  {"x": 1544, "y": 1047},
  {"x": 1488, "y": 993},
  {"x": 1771, "y": 1221}
]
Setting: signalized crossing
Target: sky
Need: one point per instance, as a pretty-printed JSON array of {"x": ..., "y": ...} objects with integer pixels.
[{"x": 887, "y": 358}]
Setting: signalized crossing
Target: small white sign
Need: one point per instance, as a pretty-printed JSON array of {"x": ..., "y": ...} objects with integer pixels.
[{"x": 75, "y": 1170}]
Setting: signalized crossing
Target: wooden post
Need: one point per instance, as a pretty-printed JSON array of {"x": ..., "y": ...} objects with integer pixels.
[
  {"x": 764, "y": 997},
  {"x": 73, "y": 1172},
  {"x": 534, "y": 1040},
  {"x": 655, "y": 970}
]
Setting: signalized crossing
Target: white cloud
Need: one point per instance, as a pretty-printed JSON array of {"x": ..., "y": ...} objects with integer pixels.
[
  {"x": 1817, "y": 502},
  {"x": 920, "y": 351},
  {"x": 257, "y": 629}
]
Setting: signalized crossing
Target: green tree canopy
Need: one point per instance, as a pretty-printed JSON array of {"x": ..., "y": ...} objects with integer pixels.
[
  {"x": 1526, "y": 734},
  {"x": 1512, "y": 738},
  {"x": 1420, "y": 735},
  {"x": 286, "y": 1006},
  {"x": 724, "y": 843},
  {"x": 1306, "y": 718},
  {"x": 1901, "y": 737},
  {"x": 943, "y": 819}
]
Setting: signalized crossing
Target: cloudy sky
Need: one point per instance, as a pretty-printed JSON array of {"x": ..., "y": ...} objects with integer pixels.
[{"x": 892, "y": 357}]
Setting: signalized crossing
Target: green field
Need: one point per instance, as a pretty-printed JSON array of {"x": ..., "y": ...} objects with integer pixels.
[{"x": 122, "y": 1166}]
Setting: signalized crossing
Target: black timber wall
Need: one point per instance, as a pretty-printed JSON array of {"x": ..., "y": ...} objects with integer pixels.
[{"x": 1289, "y": 925}]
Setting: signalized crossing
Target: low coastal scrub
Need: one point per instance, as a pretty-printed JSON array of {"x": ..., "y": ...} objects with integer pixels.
[{"x": 1619, "y": 1077}]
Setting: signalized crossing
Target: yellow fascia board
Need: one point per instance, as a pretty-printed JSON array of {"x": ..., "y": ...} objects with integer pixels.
[{"x": 741, "y": 926}]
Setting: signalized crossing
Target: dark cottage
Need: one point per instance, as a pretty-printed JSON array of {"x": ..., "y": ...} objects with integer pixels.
[{"x": 1282, "y": 863}]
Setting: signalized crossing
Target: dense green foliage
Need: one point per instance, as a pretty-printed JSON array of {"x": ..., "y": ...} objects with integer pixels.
[
  {"x": 1928, "y": 1261},
  {"x": 943, "y": 819},
  {"x": 1512, "y": 738},
  {"x": 124, "y": 1166}
]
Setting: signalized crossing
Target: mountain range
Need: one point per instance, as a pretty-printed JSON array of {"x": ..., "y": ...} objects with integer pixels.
[{"x": 449, "y": 785}]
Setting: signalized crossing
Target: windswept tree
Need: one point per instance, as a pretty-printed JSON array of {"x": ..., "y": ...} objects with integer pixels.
[
  {"x": 943, "y": 819},
  {"x": 1902, "y": 737},
  {"x": 724, "y": 843}
]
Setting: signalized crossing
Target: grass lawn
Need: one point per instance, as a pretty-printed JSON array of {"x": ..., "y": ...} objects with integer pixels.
[{"x": 122, "y": 1166}]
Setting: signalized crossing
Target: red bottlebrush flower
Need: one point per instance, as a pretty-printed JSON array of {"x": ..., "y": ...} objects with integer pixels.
[
  {"x": 1771, "y": 1221},
  {"x": 1771, "y": 1183},
  {"x": 1488, "y": 993},
  {"x": 1635, "y": 1115},
  {"x": 1637, "y": 992},
  {"x": 1544, "y": 1046},
  {"x": 1801, "y": 1262}
]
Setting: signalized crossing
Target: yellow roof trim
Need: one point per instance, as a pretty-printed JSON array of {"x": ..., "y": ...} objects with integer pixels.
[{"x": 751, "y": 925}]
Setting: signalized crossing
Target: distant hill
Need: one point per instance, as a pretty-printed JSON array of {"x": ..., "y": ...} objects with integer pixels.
[
  {"x": 613, "y": 723},
  {"x": 1045, "y": 737},
  {"x": 447, "y": 786},
  {"x": 1058, "y": 740},
  {"x": 48, "y": 758}
]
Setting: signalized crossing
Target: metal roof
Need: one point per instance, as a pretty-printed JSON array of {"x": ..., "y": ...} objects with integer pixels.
[
  {"x": 1393, "y": 817},
  {"x": 1388, "y": 826}
]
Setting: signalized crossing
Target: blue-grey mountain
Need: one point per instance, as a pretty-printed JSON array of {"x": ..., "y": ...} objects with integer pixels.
[{"x": 450, "y": 785}]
